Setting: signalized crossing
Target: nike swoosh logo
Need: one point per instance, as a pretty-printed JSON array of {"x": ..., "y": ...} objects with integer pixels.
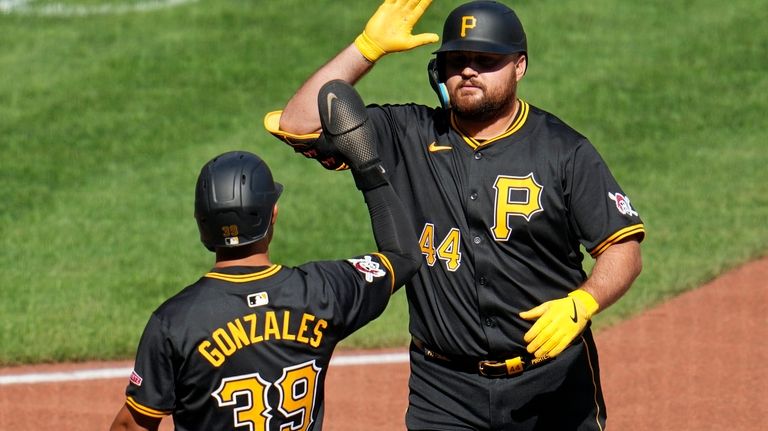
[
  {"x": 433, "y": 147},
  {"x": 575, "y": 317},
  {"x": 329, "y": 99}
]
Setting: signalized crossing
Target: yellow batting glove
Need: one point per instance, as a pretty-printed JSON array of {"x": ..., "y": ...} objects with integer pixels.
[
  {"x": 558, "y": 322},
  {"x": 389, "y": 29}
]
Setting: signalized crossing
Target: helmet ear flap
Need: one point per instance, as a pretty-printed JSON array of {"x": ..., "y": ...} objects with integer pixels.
[{"x": 436, "y": 73}]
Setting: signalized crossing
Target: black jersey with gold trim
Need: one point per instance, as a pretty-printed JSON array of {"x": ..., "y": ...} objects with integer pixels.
[
  {"x": 500, "y": 221},
  {"x": 210, "y": 354}
]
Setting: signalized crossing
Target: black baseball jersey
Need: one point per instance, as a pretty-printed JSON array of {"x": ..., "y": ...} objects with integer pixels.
[
  {"x": 207, "y": 355},
  {"x": 499, "y": 221}
]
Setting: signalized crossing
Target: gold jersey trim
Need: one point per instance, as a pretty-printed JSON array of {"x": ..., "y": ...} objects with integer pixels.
[
  {"x": 517, "y": 124},
  {"x": 594, "y": 383},
  {"x": 391, "y": 270},
  {"x": 300, "y": 142},
  {"x": 618, "y": 236},
  {"x": 245, "y": 278},
  {"x": 272, "y": 124},
  {"x": 146, "y": 411}
]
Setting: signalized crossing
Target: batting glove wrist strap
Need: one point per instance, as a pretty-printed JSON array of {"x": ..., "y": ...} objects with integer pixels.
[
  {"x": 370, "y": 50},
  {"x": 587, "y": 301}
]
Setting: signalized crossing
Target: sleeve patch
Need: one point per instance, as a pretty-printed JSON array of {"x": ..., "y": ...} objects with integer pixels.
[
  {"x": 369, "y": 268},
  {"x": 136, "y": 378},
  {"x": 622, "y": 204}
]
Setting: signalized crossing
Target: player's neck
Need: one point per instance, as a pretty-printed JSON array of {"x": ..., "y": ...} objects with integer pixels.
[
  {"x": 261, "y": 259},
  {"x": 254, "y": 254},
  {"x": 489, "y": 128}
]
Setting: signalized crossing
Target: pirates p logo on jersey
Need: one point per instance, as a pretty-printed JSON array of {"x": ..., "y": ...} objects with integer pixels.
[
  {"x": 369, "y": 268},
  {"x": 622, "y": 204},
  {"x": 525, "y": 205}
]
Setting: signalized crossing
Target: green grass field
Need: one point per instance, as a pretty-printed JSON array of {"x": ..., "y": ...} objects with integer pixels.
[{"x": 106, "y": 118}]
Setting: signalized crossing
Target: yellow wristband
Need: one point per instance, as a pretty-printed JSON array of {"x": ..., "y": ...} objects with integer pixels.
[
  {"x": 370, "y": 50},
  {"x": 587, "y": 300}
]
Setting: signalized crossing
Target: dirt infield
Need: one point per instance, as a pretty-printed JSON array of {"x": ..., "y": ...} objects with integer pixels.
[{"x": 696, "y": 362}]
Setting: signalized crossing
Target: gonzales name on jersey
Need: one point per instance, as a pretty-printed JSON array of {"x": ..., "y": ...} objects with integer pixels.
[{"x": 257, "y": 328}]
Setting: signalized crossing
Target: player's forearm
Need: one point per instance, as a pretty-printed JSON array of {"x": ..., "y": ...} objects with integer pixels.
[
  {"x": 614, "y": 272},
  {"x": 300, "y": 114},
  {"x": 393, "y": 232}
]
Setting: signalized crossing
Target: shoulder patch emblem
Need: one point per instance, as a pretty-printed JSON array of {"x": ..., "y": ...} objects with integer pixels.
[
  {"x": 369, "y": 268},
  {"x": 258, "y": 299},
  {"x": 136, "y": 378},
  {"x": 622, "y": 204}
]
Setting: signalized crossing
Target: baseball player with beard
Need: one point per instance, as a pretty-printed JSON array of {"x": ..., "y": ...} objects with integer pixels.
[
  {"x": 502, "y": 195},
  {"x": 248, "y": 345}
]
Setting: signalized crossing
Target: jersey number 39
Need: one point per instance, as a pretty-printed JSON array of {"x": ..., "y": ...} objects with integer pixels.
[{"x": 248, "y": 395}]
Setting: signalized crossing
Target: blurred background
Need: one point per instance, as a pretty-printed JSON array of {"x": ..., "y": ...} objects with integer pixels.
[{"x": 109, "y": 108}]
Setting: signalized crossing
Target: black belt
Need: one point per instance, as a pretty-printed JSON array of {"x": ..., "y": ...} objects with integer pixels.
[{"x": 488, "y": 368}]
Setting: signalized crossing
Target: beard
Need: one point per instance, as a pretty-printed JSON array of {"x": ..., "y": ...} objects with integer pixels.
[{"x": 488, "y": 105}]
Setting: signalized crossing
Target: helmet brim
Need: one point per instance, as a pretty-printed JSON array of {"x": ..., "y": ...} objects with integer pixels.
[{"x": 483, "y": 46}]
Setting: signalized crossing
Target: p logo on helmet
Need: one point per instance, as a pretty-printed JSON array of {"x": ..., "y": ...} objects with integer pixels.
[{"x": 467, "y": 22}]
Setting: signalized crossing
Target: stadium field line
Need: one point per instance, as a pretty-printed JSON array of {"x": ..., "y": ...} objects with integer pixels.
[{"x": 340, "y": 360}]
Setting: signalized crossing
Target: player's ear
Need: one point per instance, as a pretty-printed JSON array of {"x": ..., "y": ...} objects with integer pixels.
[
  {"x": 274, "y": 214},
  {"x": 521, "y": 66}
]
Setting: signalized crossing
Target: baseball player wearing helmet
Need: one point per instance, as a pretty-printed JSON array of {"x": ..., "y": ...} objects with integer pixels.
[
  {"x": 502, "y": 195},
  {"x": 248, "y": 345}
]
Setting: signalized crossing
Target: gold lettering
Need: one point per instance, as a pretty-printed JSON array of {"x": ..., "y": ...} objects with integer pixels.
[
  {"x": 226, "y": 345},
  {"x": 271, "y": 328},
  {"x": 213, "y": 356},
  {"x": 319, "y": 327},
  {"x": 238, "y": 333},
  {"x": 251, "y": 319},
  {"x": 226, "y": 341},
  {"x": 286, "y": 326},
  {"x": 301, "y": 336}
]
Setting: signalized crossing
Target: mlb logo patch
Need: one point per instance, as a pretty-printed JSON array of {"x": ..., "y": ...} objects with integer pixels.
[
  {"x": 135, "y": 378},
  {"x": 258, "y": 299}
]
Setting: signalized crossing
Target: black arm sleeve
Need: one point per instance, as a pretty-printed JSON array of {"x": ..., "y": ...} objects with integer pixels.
[{"x": 393, "y": 232}]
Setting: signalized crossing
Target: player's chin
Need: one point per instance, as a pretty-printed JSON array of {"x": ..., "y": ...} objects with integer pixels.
[{"x": 468, "y": 106}]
